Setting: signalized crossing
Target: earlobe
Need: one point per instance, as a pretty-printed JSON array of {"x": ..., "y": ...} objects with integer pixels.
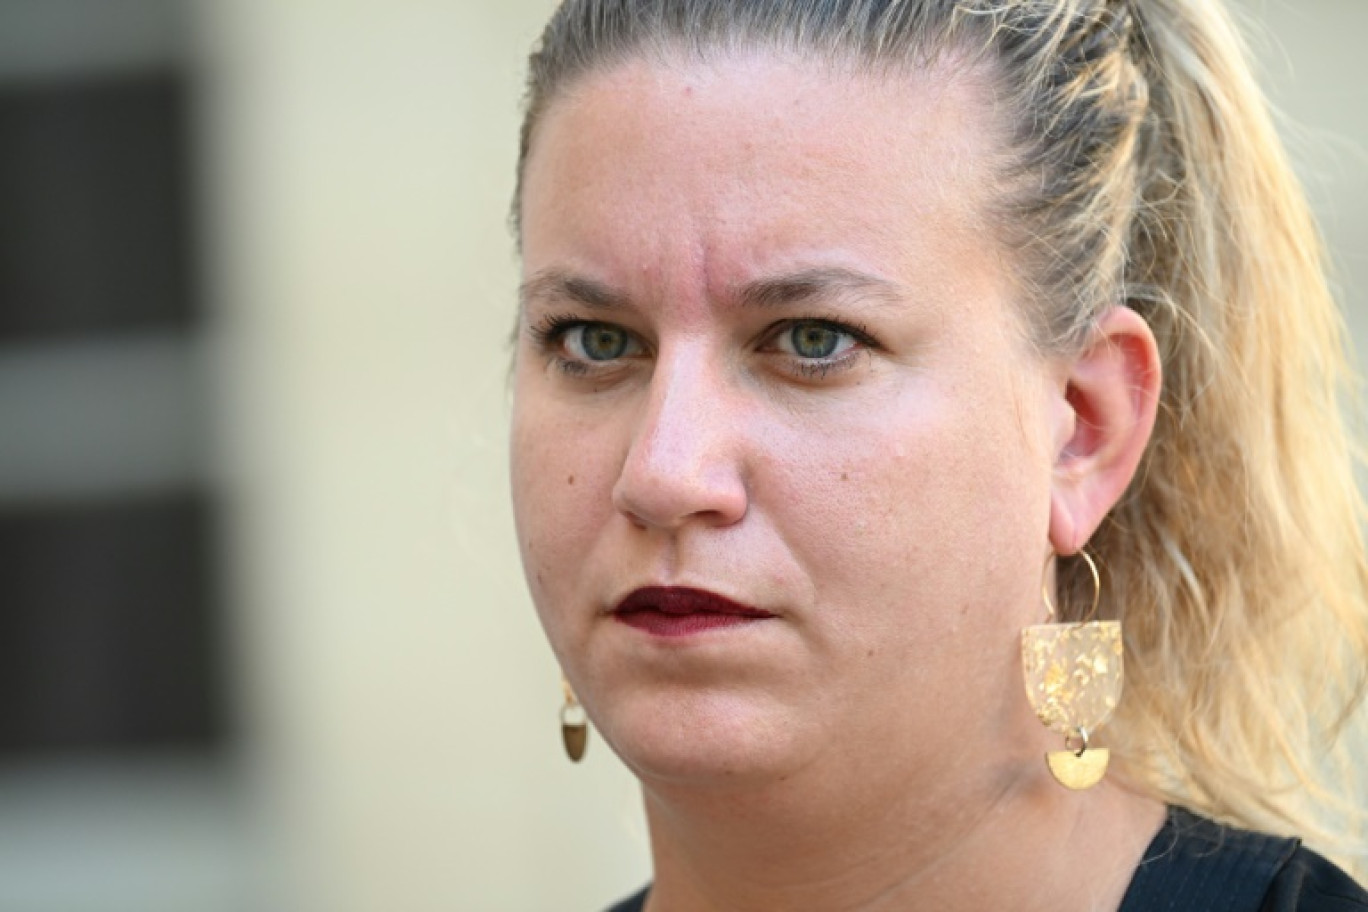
[{"x": 1112, "y": 390}]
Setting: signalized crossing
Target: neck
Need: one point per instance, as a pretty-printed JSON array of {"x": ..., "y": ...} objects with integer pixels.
[{"x": 1008, "y": 841}]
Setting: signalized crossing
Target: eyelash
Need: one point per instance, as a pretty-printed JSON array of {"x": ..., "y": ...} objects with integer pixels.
[
  {"x": 549, "y": 334},
  {"x": 552, "y": 329}
]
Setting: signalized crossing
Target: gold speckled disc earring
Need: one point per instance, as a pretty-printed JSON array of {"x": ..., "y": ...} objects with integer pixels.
[
  {"x": 1073, "y": 679},
  {"x": 574, "y": 724}
]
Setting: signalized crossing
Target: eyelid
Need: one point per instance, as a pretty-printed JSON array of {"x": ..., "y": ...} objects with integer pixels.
[
  {"x": 858, "y": 333},
  {"x": 550, "y": 332},
  {"x": 632, "y": 345}
]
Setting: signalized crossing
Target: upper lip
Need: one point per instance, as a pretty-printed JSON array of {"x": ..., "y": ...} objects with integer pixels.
[{"x": 684, "y": 600}]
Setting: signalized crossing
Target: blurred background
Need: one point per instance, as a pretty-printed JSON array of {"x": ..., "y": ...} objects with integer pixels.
[{"x": 264, "y": 642}]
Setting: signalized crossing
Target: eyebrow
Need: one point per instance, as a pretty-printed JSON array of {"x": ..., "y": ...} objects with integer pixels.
[
  {"x": 765, "y": 293},
  {"x": 810, "y": 284},
  {"x": 555, "y": 284}
]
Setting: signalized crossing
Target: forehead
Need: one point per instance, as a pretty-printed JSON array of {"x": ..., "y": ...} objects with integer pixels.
[{"x": 705, "y": 172}]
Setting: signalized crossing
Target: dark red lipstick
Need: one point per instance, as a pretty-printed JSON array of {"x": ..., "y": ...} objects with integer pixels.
[{"x": 676, "y": 612}]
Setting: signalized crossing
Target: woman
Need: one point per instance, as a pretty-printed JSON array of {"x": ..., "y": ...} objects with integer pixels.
[{"x": 847, "y": 329}]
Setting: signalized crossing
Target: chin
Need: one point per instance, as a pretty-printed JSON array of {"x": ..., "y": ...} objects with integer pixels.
[{"x": 704, "y": 741}]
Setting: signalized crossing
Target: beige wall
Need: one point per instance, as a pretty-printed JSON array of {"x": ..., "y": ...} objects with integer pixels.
[{"x": 400, "y": 703}]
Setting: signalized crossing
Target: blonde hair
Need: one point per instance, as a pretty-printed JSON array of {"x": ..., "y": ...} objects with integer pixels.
[{"x": 1144, "y": 170}]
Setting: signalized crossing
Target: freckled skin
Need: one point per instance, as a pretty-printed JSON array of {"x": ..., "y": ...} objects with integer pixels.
[{"x": 893, "y": 515}]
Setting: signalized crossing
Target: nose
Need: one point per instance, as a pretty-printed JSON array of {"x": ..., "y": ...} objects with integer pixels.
[{"x": 685, "y": 460}]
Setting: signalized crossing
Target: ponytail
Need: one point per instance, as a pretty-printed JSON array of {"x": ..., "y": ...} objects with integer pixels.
[{"x": 1238, "y": 555}]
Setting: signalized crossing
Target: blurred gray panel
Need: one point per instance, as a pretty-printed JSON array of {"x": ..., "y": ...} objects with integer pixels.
[
  {"x": 100, "y": 419},
  {"x": 107, "y": 640},
  {"x": 61, "y": 38},
  {"x": 169, "y": 834},
  {"x": 95, "y": 213}
]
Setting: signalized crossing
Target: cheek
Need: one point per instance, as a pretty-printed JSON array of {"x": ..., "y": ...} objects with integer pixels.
[
  {"x": 562, "y": 496},
  {"x": 904, "y": 514},
  {"x": 922, "y": 548}
]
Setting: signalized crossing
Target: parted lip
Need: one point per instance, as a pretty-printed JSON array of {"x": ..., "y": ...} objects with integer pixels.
[{"x": 684, "y": 600}]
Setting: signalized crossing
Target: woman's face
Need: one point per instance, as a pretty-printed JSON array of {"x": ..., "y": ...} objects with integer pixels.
[{"x": 771, "y": 351}]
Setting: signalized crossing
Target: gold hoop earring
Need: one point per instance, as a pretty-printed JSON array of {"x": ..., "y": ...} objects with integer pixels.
[
  {"x": 1073, "y": 673},
  {"x": 574, "y": 724}
]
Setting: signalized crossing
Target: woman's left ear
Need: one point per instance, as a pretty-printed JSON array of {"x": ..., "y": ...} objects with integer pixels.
[{"x": 1111, "y": 393}]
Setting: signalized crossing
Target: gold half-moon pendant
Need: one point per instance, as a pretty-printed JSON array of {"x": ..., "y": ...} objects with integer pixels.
[{"x": 1075, "y": 770}]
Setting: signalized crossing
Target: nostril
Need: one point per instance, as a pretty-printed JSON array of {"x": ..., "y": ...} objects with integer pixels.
[
  {"x": 636, "y": 521},
  {"x": 715, "y": 495}
]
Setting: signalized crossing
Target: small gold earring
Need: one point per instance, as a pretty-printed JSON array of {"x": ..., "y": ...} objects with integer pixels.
[
  {"x": 1073, "y": 675},
  {"x": 574, "y": 724}
]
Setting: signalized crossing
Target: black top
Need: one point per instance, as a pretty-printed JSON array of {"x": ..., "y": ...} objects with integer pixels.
[{"x": 1195, "y": 865}]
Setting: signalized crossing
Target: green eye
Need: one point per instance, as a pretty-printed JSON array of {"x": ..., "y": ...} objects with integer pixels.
[
  {"x": 814, "y": 340},
  {"x": 599, "y": 341}
]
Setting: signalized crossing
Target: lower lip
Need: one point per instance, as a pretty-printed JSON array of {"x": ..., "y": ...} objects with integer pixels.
[{"x": 660, "y": 623}]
